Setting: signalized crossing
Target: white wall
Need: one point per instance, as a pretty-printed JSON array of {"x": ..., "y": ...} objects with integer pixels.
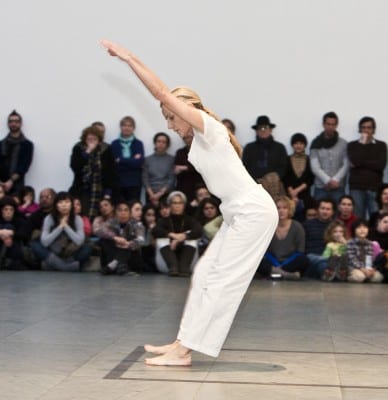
[{"x": 290, "y": 59}]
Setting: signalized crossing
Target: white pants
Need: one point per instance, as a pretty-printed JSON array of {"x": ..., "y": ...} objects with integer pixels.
[{"x": 223, "y": 274}]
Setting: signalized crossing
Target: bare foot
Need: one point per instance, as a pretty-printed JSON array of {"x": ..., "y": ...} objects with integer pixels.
[
  {"x": 149, "y": 348},
  {"x": 177, "y": 356}
]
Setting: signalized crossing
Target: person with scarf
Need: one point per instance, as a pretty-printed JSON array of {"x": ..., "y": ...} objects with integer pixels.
[
  {"x": 329, "y": 161},
  {"x": 129, "y": 155},
  {"x": 95, "y": 171},
  {"x": 299, "y": 177},
  {"x": 264, "y": 155},
  {"x": 16, "y": 153}
]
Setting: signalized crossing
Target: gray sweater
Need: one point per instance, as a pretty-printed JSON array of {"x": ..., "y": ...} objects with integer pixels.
[
  {"x": 49, "y": 235},
  {"x": 158, "y": 172},
  {"x": 330, "y": 163}
]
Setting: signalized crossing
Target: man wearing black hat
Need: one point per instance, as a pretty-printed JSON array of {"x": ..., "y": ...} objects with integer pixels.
[{"x": 264, "y": 155}]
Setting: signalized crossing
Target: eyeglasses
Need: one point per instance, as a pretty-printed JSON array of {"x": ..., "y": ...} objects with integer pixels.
[
  {"x": 367, "y": 127},
  {"x": 177, "y": 202},
  {"x": 14, "y": 121},
  {"x": 263, "y": 128}
]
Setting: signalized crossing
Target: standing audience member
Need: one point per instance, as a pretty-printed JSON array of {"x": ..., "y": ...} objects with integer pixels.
[
  {"x": 27, "y": 201},
  {"x": 11, "y": 236},
  {"x": 335, "y": 252},
  {"x": 368, "y": 159},
  {"x": 285, "y": 255},
  {"x": 177, "y": 228},
  {"x": 329, "y": 162},
  {"x": 359, "y": 253},
  {"x": 230, "y": 125},
  {"x": 382, "y": 202},
  {"x": 16, "y": 153},
  {"x": 299, "y": 177},
  {"x": 129, "y": 155},
  {"x": 187, "y": 178},
  {"x": 63, "y": 237},
  {"x": 265, "y": 155},
  {"x": 158, "y": 173},
  {"x": 315, "y": 243},
  {"x": 345, "y": 213},
  {"x": 95, "y": 174}
]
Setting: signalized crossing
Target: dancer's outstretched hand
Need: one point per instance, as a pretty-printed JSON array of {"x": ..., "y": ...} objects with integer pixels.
[{"x": 114, "y": 49}]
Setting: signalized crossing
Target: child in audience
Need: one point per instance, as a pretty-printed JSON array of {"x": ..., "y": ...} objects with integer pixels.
[
  {"x": 27, "y": 201},
  {"x": 359, "y": 253},
  {"x": 335, "y": 251}
]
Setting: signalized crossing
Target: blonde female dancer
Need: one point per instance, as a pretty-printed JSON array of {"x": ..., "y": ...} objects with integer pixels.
[{"x": 222, "y": 276}]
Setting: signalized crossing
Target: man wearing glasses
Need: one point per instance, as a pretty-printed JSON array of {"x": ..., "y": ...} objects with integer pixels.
[{"x": 15, "y": 155}]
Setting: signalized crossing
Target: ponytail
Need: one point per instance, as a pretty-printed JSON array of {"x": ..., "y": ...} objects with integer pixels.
[{"x": 192, "y": 97}]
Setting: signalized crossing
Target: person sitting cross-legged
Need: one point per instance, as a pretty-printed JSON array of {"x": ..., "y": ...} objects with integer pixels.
[{"x": 176, "y": 229}]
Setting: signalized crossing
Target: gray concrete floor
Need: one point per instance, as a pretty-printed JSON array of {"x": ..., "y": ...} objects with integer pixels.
[{"x": 79, "y": 336}]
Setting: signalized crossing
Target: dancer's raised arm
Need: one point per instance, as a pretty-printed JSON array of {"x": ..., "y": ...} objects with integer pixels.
[{"x": 156, "y": 86}]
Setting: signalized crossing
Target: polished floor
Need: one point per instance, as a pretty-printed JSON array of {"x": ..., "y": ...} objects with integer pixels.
[{"x": 79, "y": 336}]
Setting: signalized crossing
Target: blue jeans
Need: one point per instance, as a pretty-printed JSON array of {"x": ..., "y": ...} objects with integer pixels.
[
  {"x": 316, "y": 266},
  {"x": 364, "y": 200},
  {"x": 336, "y": 194}
]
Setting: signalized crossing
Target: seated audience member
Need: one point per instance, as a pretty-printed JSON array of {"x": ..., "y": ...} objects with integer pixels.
[
  {"x": 11, "y": 236},
  {"x": 33, "y": 227},
  {"x": 148, "y": 249},
  {"x": 163, "y": 207},
  {"x": 158, "y": 170},
  {"x": 315, "y": 244},
  {"x": 345, "y": 214},
  {"x": 335, "y": 252},
  {"x": 285, "y": 255},
  {"x": 378, "y": 234},
  {"x": 27, "y": 201},
  {"x": 103, "y": 226},
  {"x": 129, "y": 155},
  {"x": 230, "y": 125},
  {"x": 86, "y": 221},
  {"x": 299, "y": 177},
  {"x": 177, "y": 228},
  {"x": 311, "y": 211},
  {"x": 367, "y": 159},
  {"x": 63, "y": 238},
  {"x": 187, "y": 178},
  {"x": 2, "y": 191},
  {"x": 121, "y": 252},
  {"x": 359, "y": 254},
  {"x": 201, "y": 193},
  {"x": 209, "y": 216},
  {"x": 382, "y": 202},
  {"x": 95, "y": 172},
  {"x": 329, "y": 161}
]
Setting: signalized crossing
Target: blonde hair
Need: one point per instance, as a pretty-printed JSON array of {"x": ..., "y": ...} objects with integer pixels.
[
  {"x": 290, "y": 204},
  {"x": 328, "y": 234},
  {"x": 189, "y": 96}
]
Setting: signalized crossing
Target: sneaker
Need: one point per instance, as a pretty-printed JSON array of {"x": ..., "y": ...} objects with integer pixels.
[
  {"x": 291, "y": 276},
  {"x": 341, "y": 271},
  {"x": 122, "y": 269},
  {"x": 113, "y": 265}
]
